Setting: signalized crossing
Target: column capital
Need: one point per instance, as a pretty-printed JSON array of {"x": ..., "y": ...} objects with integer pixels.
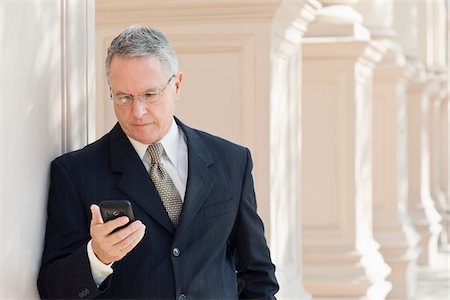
[
  {"x": 293, "y": 18},
  {"x": 393, "y": 52},
  {"x": 338, "y": 19},
  {"x": 378, "y": 17}
]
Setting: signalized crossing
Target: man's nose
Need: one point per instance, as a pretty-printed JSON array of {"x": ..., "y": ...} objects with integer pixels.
[{"x": 139, "y": 108}]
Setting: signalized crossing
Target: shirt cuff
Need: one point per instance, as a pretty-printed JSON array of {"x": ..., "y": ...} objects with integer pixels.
[{"x": 99, "y": 270}]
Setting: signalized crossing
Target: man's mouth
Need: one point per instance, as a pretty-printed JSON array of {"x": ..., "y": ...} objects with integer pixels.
[{"x": 142, "y": 125}]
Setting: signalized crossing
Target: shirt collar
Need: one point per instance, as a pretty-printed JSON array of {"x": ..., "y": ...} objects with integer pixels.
[{"x": 170, "y": 142}]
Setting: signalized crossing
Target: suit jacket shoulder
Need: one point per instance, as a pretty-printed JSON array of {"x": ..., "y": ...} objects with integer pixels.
[
  {"x": 86, "y": 154},
  {"x": 213, "y": 147}
]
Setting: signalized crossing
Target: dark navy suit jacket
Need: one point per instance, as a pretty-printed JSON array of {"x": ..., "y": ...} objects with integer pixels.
[{"x": 221, "y": 252}]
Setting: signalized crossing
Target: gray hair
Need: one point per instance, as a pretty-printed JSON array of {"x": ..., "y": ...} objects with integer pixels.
[{"x": 141, "y": 41}]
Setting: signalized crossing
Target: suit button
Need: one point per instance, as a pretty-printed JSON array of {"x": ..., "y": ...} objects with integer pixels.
[
  {"x": 182, "y": 297},
  {"x": 83, "y": 293},
  {"x": 176, "y": 252}
]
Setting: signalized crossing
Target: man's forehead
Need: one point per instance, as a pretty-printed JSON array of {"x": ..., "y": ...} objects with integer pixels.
[
  {"x": 148, "y": 66},
  {"x": 149, "y": 59}
]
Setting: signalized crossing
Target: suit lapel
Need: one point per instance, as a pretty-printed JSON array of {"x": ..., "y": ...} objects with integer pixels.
[
  {"x": 135, "y": 181},
  {"x": 200, "y": 178}
]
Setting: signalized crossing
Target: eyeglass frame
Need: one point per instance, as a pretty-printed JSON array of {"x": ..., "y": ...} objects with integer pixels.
[{"x": 141, "y": 97}]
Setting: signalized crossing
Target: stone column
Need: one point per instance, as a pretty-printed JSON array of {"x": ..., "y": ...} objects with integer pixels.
[
  {"x": 341, "y": 258},
  {"x": 424, "y": 215},
  {"x": 242, "y": 68},
  {"x": 340, "y": 255},
  {"x": 392, "y": 222},
  {"x": 416, "y": 35},
  {"x": 443, "y": 166},
  {"x": 285, "y": 134},
  {"x": 438, "y": 145}
]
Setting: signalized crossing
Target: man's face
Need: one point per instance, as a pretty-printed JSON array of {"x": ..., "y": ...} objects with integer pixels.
[{"x": 144, "y": 122}]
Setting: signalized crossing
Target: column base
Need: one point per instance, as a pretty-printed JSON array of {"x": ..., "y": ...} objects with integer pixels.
[
  {"x": 429, "y": 235},
  {"x": 292, "y": 289},
  {"x": 443, "y": 207},
  {"x": 426, "y": 220},
  {"x": 345, "y": 275},
  {"x": 399, "y": 247}
]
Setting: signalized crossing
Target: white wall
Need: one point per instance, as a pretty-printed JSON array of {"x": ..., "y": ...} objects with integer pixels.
[{"x": 41, "y": 116}]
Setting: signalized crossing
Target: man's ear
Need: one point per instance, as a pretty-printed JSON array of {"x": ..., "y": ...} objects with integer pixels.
[{"x": 178, "y": 80}]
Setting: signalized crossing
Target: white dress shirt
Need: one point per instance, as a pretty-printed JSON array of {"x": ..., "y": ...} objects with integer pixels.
[{"x": 175, "y": 161}]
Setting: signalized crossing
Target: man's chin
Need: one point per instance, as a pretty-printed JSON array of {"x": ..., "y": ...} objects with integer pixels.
[
  {"x": 141, "y": 134},
  {"x": 145, "y": 139}
]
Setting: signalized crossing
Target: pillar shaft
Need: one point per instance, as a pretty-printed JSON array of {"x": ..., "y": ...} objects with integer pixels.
[
  {"x": 421, "y": 205},
  {"x": 392, "y": 223},
  {"x": 438, "y": 143},
  {"x": 337, "y": 172},
  {"x": 443, "y": 165},
  {"x": 285, "y": 128}
]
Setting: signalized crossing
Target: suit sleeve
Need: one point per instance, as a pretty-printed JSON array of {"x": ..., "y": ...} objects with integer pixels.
[
  {"x": 65, "y": 270},
  {"x": 255, "y": 271}
]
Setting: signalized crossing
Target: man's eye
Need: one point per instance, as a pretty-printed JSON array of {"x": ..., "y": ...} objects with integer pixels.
[
  {"x": 124, "y": 98},
  {"x": 149, "y": 96}
]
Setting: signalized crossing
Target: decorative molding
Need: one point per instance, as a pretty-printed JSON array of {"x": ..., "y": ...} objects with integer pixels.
[
  {"x": 90, "y": 78},
  {"x": 338, "y": 19},
  {"x": 109, "y": 12},
  {"x": 63, "y": 78},
  {"x": 293, "y": 18},
  {"x": 77, "y": 74}
]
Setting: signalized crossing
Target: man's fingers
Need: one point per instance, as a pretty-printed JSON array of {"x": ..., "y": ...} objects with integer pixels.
[
  {"x": 122, "y": 234},
  {"x": 96, "y": 215},
  {"x": 132, "y": 240},
  {"x": 114, "y": 224},
  {"x": 114, "y": 246}
]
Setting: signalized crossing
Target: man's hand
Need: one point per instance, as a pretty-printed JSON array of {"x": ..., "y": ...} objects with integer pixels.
[{"x": 110, "y": 247}]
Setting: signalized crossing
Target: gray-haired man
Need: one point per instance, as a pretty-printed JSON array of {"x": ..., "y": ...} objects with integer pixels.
[{"x": 197, "y": 234}]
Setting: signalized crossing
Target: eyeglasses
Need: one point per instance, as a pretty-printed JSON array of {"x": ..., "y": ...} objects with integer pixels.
[{"x": 149, "y": 97}]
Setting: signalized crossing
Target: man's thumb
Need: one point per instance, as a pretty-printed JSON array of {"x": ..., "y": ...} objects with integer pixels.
[{"x": 96, "y": 215}]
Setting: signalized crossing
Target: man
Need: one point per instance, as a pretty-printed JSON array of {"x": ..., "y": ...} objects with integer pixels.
[{"x": 196, "y": 234}]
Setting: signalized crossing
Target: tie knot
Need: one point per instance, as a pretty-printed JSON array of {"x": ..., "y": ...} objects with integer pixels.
[{"x": 155, "y": 151}]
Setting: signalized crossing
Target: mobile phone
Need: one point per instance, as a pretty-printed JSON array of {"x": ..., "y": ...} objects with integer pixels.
[{"x": 112, "y": 209}]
